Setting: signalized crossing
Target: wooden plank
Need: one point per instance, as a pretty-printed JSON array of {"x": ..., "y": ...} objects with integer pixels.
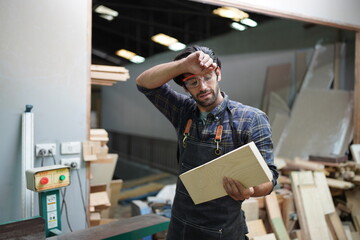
[
  {"x": 329, "y": 159},
  {"x": 353, "y": 203},
  {"x": 335, "y": 226},
  {"x": 29, "y": 229},
  {"x": 99, "y": 199},
  {"x": 324, "y": 192},
  {"x": 88, "y": 154},
  {"x": 139, "y": 191},
  {"x": 126, "y": 229},
  {"x": 270, "y": 236},
  {"x": 255, "y": 228},
  {"x": 321, "y": 69},
  {"x": 278, "y": 124},
  {"x": 244, "y": 164},
  {"x": 102, "y": 82},
  {"x": 115, "y": 188},
  {"x": 109, "y": 76},
  {"x": 98, "y": 134},
  {"x": 278, "y": 80},
  {"x": 102, "y": 173},
  {"x": 272, "y": 206},
  {"x": 297, "y": 235},
  {"x": 288, "y": 211},
  {"x": 339, "y": 184},
  {"x": 348, "y": 233},
  {"x": 147, "y": 179},
  {"x": 275, "y": 217},
  {"x": 301, "y": 164},
  {"x": 315, "y": 218},
  {"x": 298, "y": 178},
  {"x": 355, "y": 152},
  {"x": 314, "y": 126},
  {"x": 300, "y": 68},
  {"x": 277, "y": 106},
  {"x": 106, "y": 68},
  {"x": 251, "y": 209},
  {"x": 355, "y": 235},
  {"x": 94, "y": 219}
]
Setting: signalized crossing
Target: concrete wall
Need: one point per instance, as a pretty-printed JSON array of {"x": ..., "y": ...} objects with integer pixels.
[
  {"x": 245, "y": 57},
  {"x": 44, "y": 61}
]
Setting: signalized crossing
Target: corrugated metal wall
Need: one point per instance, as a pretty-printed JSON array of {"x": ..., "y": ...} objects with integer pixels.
[{"x": 152, "y": 152}]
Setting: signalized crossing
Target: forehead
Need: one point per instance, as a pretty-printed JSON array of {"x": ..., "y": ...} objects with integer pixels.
[{"x": 190, "y": 74}]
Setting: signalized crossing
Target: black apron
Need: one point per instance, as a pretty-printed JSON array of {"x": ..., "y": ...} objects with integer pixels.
[{"x": 221, "y": 218}]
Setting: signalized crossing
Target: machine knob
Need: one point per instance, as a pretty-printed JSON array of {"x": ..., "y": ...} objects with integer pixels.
[{"x": 44, "y": 180}]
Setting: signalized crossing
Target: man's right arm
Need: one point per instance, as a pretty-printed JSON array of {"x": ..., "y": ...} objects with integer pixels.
[
  {"x": 160, "y": 74},
  {"x": 196, "y": 63}
]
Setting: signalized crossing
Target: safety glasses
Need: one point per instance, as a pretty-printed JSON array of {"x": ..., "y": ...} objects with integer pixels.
[{"x": 193, "y": 81}]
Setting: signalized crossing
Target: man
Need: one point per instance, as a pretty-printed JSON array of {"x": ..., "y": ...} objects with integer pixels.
[{"x": 197, "y": 120}]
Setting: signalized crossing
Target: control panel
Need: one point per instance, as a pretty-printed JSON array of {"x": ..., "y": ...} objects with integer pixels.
[{"x": 48, "y": 178}]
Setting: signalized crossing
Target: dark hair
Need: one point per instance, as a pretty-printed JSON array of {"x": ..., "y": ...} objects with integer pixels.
[{"x": 189, "y": 50}]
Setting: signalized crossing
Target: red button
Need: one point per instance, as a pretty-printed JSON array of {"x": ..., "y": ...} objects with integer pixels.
[{"x": 44, "y": 180}]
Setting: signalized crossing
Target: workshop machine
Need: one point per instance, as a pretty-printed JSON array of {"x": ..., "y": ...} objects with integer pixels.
[{"x": 47, "y": 181}]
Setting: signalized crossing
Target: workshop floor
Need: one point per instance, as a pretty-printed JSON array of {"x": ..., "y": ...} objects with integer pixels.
[{"x": 124, "y": 207}]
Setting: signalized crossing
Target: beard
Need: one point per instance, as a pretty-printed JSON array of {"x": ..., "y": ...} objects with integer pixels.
[{"x": 209, "y": 101}]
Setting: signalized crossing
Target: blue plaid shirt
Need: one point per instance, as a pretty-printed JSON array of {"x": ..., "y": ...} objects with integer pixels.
[{"x": 249, "y": 123}]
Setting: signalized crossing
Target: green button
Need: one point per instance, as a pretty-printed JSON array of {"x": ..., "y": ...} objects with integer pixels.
[{"x": 62, "y": 178}]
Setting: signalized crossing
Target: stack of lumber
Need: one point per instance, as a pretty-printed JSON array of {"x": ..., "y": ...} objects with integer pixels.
[
  {"x": 108, "y": 75},
  {"x": 99, "y": 201},
  {"x": 102, "y": 166},
  {"x": 307, "y": 206},
  {"x": 96, "y": 149}
]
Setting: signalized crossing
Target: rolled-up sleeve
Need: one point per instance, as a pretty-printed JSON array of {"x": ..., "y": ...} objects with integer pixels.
[{"x": 260, "y": 134}]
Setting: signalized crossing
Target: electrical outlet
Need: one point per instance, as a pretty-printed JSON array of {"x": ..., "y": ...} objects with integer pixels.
[
  {"x": 45, "y": 150},
  {"x": 70, "y": 148},
  {"x": 71, "y": 162}
]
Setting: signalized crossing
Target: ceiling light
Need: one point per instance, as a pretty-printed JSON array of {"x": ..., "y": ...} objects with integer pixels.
[
  {"x": 125, "y": 54},
  {"x": 177, "y": 46},
  {"x": 237, "y": 26},
  {"x": 131, "y": 56},
  {"x": 249, "y": 22},
  {"x": 107, "y": 17},
  {"x": 230, "y": 12},
  {"x": 106, "y": 11},
  {"x": 164, "y": 39},
  {"x": 137, "y": 59}
]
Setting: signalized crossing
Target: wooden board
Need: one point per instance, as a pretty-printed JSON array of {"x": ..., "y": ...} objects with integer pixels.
[
  {"x": 109, "y": 76},
  {"x": 287, "y": 211},
  {"x": 102, "y": 173},
  {"x": 269, "y": 236},
  {"x": 297, "y": 179},
  {"x": 335, "y": 226},
  {"x": 256, "y": 228},
  {"x": 320, "y": 124},
  {"x": 278, "y": 80},
  {"x": 320, "y": 73},
  {"x": 245, "y": 164},
  {"x": 339, "y": 184},
  {"x": 314, "y": 214},
  {"x": 324, "y": 192},
  {"x": 106, "y": 68},
  {"x": 139, "y": 191},
  {"x": 29, "y": 229},
  {"x": 251, "y": 209},
  {"x": 355, "y": 151},
  {"x": 98, "y": 135},
  {"x": 125, "y": 229},
  {"x": 275, "y": 218}
]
